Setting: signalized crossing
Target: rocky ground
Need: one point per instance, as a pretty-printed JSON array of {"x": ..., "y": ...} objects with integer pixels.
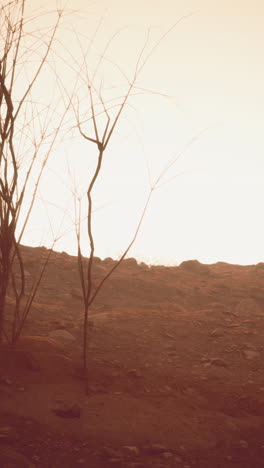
[{"x": 175, "y": 369}]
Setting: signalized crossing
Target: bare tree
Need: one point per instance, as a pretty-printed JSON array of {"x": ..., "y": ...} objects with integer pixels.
[
  {"x": 97, "y": 127},
  {"x": 28, "y": 131}
]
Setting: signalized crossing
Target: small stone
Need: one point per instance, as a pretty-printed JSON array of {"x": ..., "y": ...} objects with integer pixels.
[
  {"x": 8, "y": 434},
  {"x": 207, "y": 364},
  {"x": 66, "y": 409},
  {"x": 154, "y": 449},
  {"x": 31, "y": 362},
  {"x": 6, "y": 381},
  {"x": 134, "y": 373},
  {"x": 249, "y": 346},
  {"x": 204, "y": 359},
  {"x": 167, "y": 388},
  {"x": 243, "y": 443},
  {"x": 168, "y": 335},
  {"x": 61, "y": 335},
  {"x": 217, "y": 332},
  {"x": 167, "y": 455},
  {"x": 250, "y": 354},
  {"x": 110, "y": 453},
  {"x": 218, "y": 362},
  {"x": 130, "y": 450},
  {"x": 28, "y": 422}
]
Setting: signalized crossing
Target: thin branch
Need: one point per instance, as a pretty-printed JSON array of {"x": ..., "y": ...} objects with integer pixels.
[
  {"x": 126, "y": 250},
  {"x": 37, "y": 73}
]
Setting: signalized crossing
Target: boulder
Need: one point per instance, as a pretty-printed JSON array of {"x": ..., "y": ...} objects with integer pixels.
[
  {"x": 109, "y": 261},
  {"x": 195, "y": 267},
  {"x": 130, "y": 262}
]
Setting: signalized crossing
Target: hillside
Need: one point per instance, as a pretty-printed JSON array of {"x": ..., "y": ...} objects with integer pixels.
[{"x": 175, "y": 368}]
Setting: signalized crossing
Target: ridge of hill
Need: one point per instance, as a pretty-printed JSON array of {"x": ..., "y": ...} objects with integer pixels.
[{"x": 191, "y": 284}]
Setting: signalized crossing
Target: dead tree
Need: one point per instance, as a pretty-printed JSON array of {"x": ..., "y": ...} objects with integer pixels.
[
  {"x": 97, "y": 128},
  {"x": 27, "y": 136}
]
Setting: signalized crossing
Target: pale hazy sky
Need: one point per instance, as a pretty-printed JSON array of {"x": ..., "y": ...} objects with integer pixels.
[{"x": 211, "y": 67}]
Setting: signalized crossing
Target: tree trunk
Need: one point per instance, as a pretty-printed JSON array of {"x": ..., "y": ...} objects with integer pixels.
[
  {"x": 3, "y": 292},
  {"x": 85, "y": 350}
]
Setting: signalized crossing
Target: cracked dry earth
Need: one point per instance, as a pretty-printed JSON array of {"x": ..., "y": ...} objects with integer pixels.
[{"x": 175, "y": 369}]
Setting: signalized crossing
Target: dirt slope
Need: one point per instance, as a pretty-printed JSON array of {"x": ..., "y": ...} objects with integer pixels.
[{"x": 176, "y": 369}]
